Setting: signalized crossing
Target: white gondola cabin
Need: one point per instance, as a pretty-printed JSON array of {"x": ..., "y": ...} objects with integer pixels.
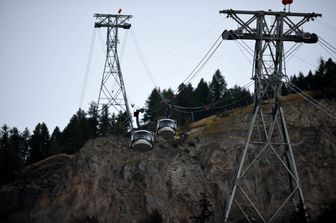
[
  {"x": 142, "y": 140},
  {"x": 166, "y": 128}
]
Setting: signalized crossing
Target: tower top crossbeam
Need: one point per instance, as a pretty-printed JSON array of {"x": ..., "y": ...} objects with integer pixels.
[
  {"x": 274, "y": 13},
  {"x": 112, "y": 20}
]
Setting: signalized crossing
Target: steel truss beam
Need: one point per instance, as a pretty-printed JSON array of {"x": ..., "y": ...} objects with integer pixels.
[
  {"x": 112, "y": 89},
  {"x": 268, "y": 136}
]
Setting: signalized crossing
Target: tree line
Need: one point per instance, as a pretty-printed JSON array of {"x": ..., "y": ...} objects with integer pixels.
[
  {"x": 18, "y": 149},
  {"x": 191, "y": 104},
  {"x": 322, "y": 82}
]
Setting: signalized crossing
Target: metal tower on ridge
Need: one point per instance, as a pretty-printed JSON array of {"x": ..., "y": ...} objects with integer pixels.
[
  {"x": 268, "y": 143},
  {"x": 112, "y": 90}
]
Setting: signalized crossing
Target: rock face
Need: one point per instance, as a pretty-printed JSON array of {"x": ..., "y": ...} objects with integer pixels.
[{"x": 108, "y": 182}]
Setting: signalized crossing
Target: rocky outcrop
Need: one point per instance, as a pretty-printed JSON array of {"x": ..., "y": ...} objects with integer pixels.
[{"x": 107, "y": 182}]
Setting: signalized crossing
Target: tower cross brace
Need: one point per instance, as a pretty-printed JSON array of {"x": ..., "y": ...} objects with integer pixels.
[
  {"x": 268, "y": 140},
  {"x": 112, "y": 89}
]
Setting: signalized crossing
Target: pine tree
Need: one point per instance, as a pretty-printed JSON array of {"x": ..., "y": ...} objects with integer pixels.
[
  {"x": 26, "y": 148},
  {"x": 118, "y": 123},
  {"x": 104, "y": 122},
  {"x": 217, "y": 86},
  {"x": 56, "y": 140},
  {"x": 202, "y": 94},
  {"x": 155, "y": 107},
  {"x": 93, "y": 120},
  {"x": 4, "y": 154},
  {"x": 237, "y": 97},
  {"x": 170, "y": 98},
  {"x": 185, "y": 98},
  {"x": 329, "y": 81},
  {"x": 76, "y": 133},
  {"x": 202, "y": 97},
  {"x": 39, "y": 143}
]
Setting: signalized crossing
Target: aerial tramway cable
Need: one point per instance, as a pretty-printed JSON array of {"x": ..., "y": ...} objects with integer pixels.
[
  {"x": 325, "y": 45},
  {"x": 327, "y": 50},
  {"x": 188, "y": 79},
  {"x": 88, "y": 65},
  {"x": 311, "y": 100},
  {"x": 205, "y": 58},
  {"x": 326, "y": 25},
  {"x": 186, "y": 42}
]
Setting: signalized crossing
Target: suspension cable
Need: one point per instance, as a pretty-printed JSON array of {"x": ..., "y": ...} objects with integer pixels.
[
  {"x": 123, "y": 46},
  {"x": 326, "y": 25},
  {"x": 205, "y": 62},
  {"x": 326, "y": 50},
  {"x": 240, "y": 44},
  {"x": 87, "y": 69},
  {"x": 187, "y": 42},
  {"x": 328, "y": 45},
  {"x": 187, "y": 80},
  {"x": 101, "y": 41},
  {"x": 209, "y": 52},
  {"x": 312, "y": 100},
  {"x": 293, "y": 52}
]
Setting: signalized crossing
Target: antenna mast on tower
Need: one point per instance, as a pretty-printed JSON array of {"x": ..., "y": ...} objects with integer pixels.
[
  {"x": 268, "y": 143},
  {"x": 112, "y": 90}
]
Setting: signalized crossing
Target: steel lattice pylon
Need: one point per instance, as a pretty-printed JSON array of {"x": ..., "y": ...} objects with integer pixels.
[
  {"x": 112, "y": 90},
  {"x": 268, "y": 146}
]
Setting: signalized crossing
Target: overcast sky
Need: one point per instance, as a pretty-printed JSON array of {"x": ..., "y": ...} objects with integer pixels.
[{"x": 44, "y": 49}]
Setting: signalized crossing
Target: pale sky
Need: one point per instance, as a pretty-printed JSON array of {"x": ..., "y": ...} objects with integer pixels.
[{"x": 44, "y": 48}]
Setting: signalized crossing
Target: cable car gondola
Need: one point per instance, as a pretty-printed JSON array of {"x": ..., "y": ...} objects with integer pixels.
[
  {"x": 142, "y": 140},
  {"x": 166, "y": 128}
]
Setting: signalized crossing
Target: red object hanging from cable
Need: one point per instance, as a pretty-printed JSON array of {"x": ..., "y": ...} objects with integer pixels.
[{"x": 287, "y": 2}]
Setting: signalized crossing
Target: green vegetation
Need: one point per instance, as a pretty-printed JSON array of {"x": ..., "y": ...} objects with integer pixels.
[
  {"x": 322, "y": 83},
  {"x": 205, "y": 100},
  {"x": 21, "y": 149}
]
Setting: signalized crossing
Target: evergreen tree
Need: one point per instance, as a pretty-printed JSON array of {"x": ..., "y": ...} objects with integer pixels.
[
  {"x": 301, "y": 81},
  {"x": 319, "y": 75},
  {"x": 310, "y": 81},
  {"x": 104, "y": 122},
  {"x": 329, "y": 81},
  {"x": 202, "y": 94},
  {"x": 155, "y": 107},
  {"x": 26, "y": 148},
  {"x": 56, "y": 141},
  {"x": 170, "y": 97},
  {"x": 202, "y": 97},
  {"x": 39, "y": 143},
  {"x": 93, "y": 120},
  {"x": 118, "y": 123},
  {"x": 168, "y": 94},
  {"x": 11, "y": 147},
  {"x": 16, "y": 148},
  {"x": 237, "y": 97},
  {"x": 76, "y": 133},
  {"x": 185, "y": 98},
  {"x": 4, "y": 154},
  {"x": 217, "y": 86}
]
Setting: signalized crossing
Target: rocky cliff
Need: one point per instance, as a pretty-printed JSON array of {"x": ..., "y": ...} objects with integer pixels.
[{"x": 107, "y": 182}]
